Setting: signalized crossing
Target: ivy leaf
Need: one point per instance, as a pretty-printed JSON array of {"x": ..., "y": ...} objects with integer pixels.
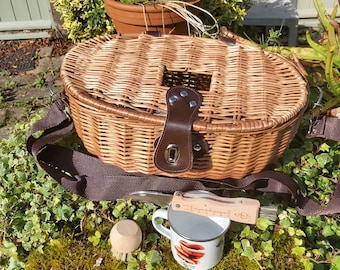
[
  {"x": 300, "y": 232},
  {"x": 237, "y": 245},
  {"x": 248, "y": 250},
  {"x": 267, "y": 246},
  {"x": 335, "y": 263},
  {"x": 324, "y": 147},
  {"x": 90, "y": 205},
  {"x": 245, "y": 232},
  {"x": 153, "y": 258},
  {"x": 95, "y": 239},
  {"x": 298, "y": 251},
  {"x": 308, "y": 265},
  {"x": 327, "y": 231},
  {"x": 263, "y": 223},
  {"x": 132, "y": 264},
  {"x": 105, "y": 204},
  {"x": 151, "y": 238},
  {"x": 298, "y": 241},
  {"x": 323, "y": 159},
  {"x": 140, "y": 213},
  {"x": 9, "y": 249},
  {"x": 245, "y": 243},
  {"x": 285, "y": 223},
  {"x": 265, "y": 235}
]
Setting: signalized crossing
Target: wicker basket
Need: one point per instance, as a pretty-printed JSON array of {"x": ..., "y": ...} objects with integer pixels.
[{"x": 253, "y": 100}]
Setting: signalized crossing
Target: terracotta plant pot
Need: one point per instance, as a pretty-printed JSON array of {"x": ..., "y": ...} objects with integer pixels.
[{"x": 134, "y": 18}]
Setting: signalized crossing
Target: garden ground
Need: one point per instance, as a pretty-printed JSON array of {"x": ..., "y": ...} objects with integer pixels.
[{"x": 24, "y": 77}]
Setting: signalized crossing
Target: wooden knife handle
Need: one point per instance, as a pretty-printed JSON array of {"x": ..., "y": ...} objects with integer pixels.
[{"x": 243, "y": 210}]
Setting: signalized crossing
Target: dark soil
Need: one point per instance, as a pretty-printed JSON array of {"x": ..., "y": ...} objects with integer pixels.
[{"x": 15, "y": 54}]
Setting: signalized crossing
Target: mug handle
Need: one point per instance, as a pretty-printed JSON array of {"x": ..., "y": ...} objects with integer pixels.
[{"x": 161, "y": 213}]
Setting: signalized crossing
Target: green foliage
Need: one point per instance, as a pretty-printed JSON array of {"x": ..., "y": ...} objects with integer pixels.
[
  {"x": 271, "y": 40},
  {"x": 4, "y": 72},
  {"x": 86, "y": 19},
  {"x": 83, "y": 19},
  {"x": 329, "y": 46},
  {"x": 9, "y": 84},
  {"x": 38, "y": 215},
  {"x": 2, "y": 89},
  {"x": 228, "y": 13},
  {"x": 266, "y": 246},
  {"x": 39, "y": 82},
  {"x": 33, "y": 207},
  {"x": 95, "y": 239},
  {"x": 321, "y": 59},
  {"x": 314, "y": 164},
  {"x": 149, "y": 259}
]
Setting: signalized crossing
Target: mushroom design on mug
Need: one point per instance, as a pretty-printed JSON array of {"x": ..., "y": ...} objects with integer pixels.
[{"x": 191, "y": 253}]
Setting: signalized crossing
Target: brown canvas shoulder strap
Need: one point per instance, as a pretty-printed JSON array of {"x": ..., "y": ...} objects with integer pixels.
[{"x": 89, "y": 177}]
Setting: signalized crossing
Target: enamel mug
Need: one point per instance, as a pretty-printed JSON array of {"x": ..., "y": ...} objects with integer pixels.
[{"x": 196, "y": 241}]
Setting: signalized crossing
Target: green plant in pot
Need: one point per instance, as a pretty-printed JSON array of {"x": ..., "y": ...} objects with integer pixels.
[
  {"x": 86, "y": 19},
  {"x": 83, "y": 19},
  {"x": 138, "y": 16}
]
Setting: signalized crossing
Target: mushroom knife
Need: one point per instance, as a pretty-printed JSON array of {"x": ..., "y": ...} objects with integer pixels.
[{"x": 243, "y": 210}]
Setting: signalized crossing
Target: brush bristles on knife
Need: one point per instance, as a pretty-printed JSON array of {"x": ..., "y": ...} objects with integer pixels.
[
  {"x": 243, "y": 210},
  {"x": 269, "y": 212}
]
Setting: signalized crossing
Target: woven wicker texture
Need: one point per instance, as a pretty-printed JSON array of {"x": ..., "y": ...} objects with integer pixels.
[{"x": 253, "y": 100}]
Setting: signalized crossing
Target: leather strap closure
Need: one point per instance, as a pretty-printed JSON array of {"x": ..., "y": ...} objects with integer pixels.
[
  {"x": 325, "y": 127},
  {"x": 173, "y": 151},
  {"x": 199, "y": 145}
]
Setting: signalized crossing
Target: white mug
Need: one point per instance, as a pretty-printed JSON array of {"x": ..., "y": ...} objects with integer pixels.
[{"x": 196, "y": 241}]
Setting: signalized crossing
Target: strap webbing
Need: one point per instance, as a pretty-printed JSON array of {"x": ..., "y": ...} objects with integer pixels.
[{"x": 89, "y": 177}]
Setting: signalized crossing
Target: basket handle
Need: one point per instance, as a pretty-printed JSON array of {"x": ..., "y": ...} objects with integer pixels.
[{"x": 174, "y": 151}]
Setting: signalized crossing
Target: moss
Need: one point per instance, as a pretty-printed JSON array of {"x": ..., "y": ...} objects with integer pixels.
[
  {"x": 168, "y": 261},
  {"x": 81, "y": 254},
  {"x": 72, "y": 254},
  {"x": 282, "y": 257},
  {"x": 233, "y": 260}
]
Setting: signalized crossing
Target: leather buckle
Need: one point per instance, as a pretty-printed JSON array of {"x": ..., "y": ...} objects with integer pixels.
[{"x": 175, "y": 149}]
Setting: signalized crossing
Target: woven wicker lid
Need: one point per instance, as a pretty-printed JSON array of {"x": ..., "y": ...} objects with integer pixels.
[{"x": 244, "y": 89}]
